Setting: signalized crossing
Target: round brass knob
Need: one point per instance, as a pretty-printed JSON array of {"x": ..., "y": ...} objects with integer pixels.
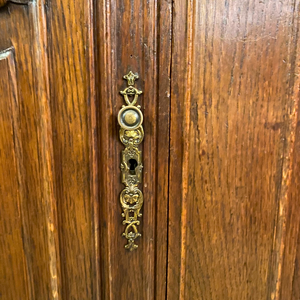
[{"x": 130, "y": 117}]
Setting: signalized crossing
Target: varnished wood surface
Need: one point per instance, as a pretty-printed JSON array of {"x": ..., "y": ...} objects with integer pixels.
[
  {"x": 21, "y": 32},
  {"x": 234, "y": 182},
  {"x": 61, "y": 209},
  {"x": 58, "y": 236},
  {"x": 71, "y": 103},
  {"x": 291, "y": 267},
  {"x": 129, "y": 38},
  {"x": 13, "y": 270},
  {"x": 221, "y": 151}
]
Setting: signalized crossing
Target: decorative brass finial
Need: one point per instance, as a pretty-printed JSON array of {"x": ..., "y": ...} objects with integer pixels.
[
  {"x": 131, "y": 91},
  {"x": 130, "y": 77}
]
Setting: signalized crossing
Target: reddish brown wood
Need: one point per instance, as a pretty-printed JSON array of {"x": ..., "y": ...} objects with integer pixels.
[
  {"x": 179, "y": 146},
  {"x": 128, "y": 38},
  {"x": 233, "y": 114},
  {"x": 94, "y": 147},
  {"x": 163, "y": 152},
  {"x": 73, "y": 121},
  {"x": 221, "y": 151},
  {"x": 287, "y": 289},
  {"x": 291, "y": 264},
  {"x": 22, "y": 31},
  {"x": 296, "y": 274},
  {"x": 13, "y": 269}
]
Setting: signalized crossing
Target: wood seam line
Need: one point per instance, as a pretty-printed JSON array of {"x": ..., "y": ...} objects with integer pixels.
[
  {"x": 186, "y": 146},
  {"x": 93, "y": 153}
]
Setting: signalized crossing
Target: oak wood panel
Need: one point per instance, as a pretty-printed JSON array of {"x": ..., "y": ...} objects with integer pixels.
[
  {"x": 233, "y": 114},
  {"x": 290, "y": 281},
  {"x": 23, "y": 31},
  {"x": 291, "y": 287},
  {"x": 13, "y": 269},
  {"x": 72, "y": 96},
  {"x": 296, "y": 274},
  {"x": 179, "y": 146},
  {"x": 163, "y": 152},
  {"x": 93, "y": 145},
  {"x": 134, "y": 35},
  {"x": 38, "y": 18}
]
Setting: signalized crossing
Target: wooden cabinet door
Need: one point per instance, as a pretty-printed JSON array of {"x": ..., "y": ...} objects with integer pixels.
[
  {"x": 234, "y": 158},
  {"x": 48, "y": 218},
  {"x": 133, "y": 36},
  {"x": 220, "y": 155},
  {"x": 28, "y": 241},
  {"x": 62, "y": 67}
]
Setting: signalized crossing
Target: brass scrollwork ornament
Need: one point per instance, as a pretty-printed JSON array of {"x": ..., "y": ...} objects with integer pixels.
[{"x": 130, "y": 119}]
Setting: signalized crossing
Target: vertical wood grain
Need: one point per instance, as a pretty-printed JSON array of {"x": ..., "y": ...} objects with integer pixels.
[
  {"x": 40, "y": 46},
  {"x": 288, "y": 218},
  {"x": 291, "y": 267},
  {"x": 164, "y": 36},
  {"x": 95, "y": 151},
  {"x": 72, "y": 109},
  {"x": 13, "y": 268},
  {"x": 227, "y": 228},
  {"x": 60, "y": 159},
  {"x": 220, "y": 103},
  {"x": 23, "y": 29},
  {"x": 179, "y": 146},
  {"x": 129, "y": 36},
  {"x": 296, "y": 274}
]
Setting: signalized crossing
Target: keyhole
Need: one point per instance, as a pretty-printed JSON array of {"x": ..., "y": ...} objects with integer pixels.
[{"x": 132, "y": 165}]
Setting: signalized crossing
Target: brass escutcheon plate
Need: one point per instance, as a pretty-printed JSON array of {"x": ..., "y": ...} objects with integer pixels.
[{"x": 131, "y": 133}]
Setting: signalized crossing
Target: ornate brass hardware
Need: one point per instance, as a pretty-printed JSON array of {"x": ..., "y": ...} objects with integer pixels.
[{"x": 130, "y": 119}]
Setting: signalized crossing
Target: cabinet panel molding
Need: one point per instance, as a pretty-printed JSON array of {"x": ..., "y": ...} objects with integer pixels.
[
  {"x": 70, "y": 37},
  {"x": 23, "y": 29},
  {"x": 13, "y": 268}
]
